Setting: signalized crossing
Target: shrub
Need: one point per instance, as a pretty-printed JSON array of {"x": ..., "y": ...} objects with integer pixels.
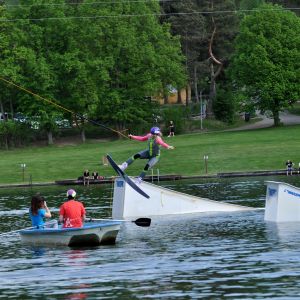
[
  {"x": 177, "y": 114},
  {"x": 224, "y": 107},
  {"x": 13, "y": 134}
]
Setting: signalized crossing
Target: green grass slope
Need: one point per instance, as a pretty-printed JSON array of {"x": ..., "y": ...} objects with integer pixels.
[{"x": 263, "y": 149}]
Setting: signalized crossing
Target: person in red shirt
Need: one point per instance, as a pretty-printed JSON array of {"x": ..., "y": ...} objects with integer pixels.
[{"x": 72, "y": 212}]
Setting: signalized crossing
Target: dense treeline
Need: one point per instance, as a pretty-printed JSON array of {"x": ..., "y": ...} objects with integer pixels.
[
  {"x": 208, "y": 30},
  {"x": 102, "y": 61},
  {"x": 105, "y": 60}
]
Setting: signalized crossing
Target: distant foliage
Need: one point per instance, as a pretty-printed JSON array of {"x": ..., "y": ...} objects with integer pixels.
[
  {"x": 266, "y": 61},
  {"x": 177, "y": 114},
  {"x": 224, "y": 107},
  {"x": 13, "y": 134},
  {"x": 103, "y": 68}
]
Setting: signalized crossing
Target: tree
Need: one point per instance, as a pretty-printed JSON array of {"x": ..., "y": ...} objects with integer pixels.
[
  {"x": 193, "y": 34},
  {"x": 291, "y": 4},
  {"x": 266, "y": 62},
  {"x": 136, "y": 57},
  {"x": 8, "y": 68},
  {"x": 99, "y": 60},
  {"x": 25, "y": 61},
  {"x": 206, "y": 39},
  {"x": 250, "y": 4}
]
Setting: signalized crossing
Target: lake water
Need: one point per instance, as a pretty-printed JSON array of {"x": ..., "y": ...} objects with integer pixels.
[{"x": 208, "y": 256}]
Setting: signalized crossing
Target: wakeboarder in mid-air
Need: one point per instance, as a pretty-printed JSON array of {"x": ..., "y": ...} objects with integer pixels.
[{"x": 152, "y": 153}]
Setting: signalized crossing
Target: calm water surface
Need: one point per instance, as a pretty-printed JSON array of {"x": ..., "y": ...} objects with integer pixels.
[{"x": 208, "y": 256}]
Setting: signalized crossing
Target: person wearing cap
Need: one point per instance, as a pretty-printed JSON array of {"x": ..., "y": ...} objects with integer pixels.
[
  {"x": 72, "y": 212},
  {"x": 152, "y": 153}
]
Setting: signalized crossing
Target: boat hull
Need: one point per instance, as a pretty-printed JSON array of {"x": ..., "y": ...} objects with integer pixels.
[{"x": 93, "y": 234}]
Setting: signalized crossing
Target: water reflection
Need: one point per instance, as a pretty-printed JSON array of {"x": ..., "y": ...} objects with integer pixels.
[
  {"x": 37, "y": 251},
  {"x": 286, "y": 232},
  {"x": 209, "y": 256},
  {"x": 76, "y": 258},
  {"x": 77, "y": 292}
]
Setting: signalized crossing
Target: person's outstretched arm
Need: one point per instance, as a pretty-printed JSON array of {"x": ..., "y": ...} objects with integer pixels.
[
  {"x": 139, "y": 138},
  {"x": 163, "y": 144}
]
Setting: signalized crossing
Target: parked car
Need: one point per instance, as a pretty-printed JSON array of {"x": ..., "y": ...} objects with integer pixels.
[
  {"x": 19, "y": 117},
  {"x": 3, "y": 117},
  {"x": 62, "y": 123},
  {"x": 34, "y": 122}
]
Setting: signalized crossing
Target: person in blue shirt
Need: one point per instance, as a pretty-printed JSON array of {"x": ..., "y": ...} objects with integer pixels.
[{"x": 38, "y": 211}]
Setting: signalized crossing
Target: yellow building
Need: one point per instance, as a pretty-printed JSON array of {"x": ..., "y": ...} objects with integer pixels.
[{"x": 175, "y": 97}]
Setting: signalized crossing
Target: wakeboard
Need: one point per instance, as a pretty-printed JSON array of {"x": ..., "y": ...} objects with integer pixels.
[{"x": 125, "y": 177}]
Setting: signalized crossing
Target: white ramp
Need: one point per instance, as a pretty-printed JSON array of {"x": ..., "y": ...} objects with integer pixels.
[
  {"x": 282, "y": 202},
  {"x": 128, "y": 204}
]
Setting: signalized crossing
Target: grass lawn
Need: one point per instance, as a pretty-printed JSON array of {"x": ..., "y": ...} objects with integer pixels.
[{"x": 263, "y": 149}]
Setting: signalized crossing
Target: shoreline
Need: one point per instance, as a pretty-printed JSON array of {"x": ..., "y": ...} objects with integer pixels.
[{"x": 170, "y": 177}]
